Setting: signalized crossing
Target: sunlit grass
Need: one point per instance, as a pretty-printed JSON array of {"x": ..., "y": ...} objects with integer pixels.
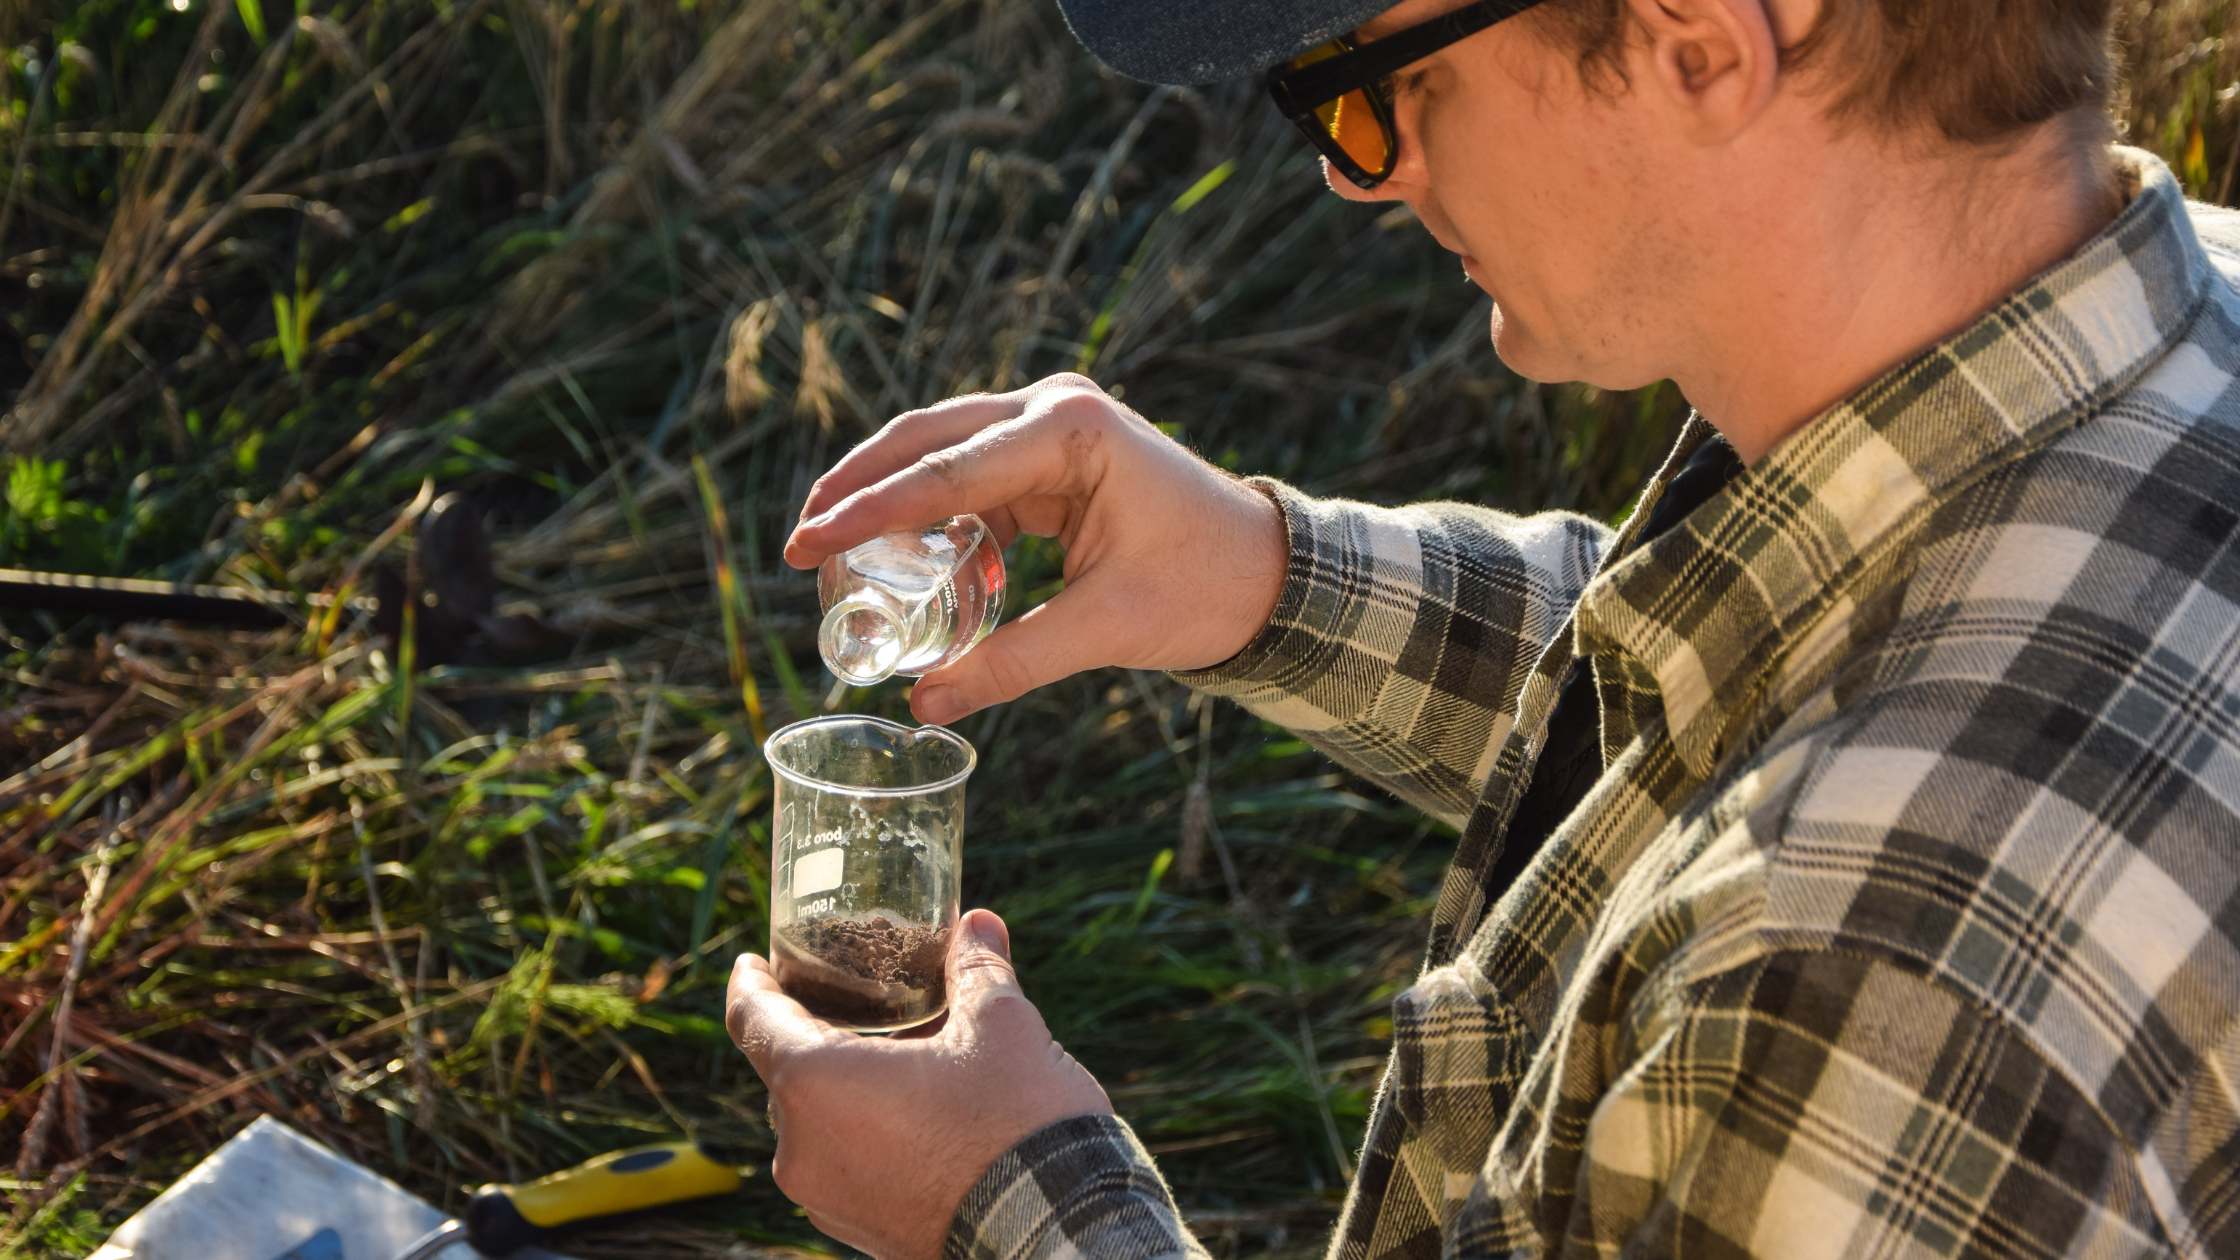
[{"x": 633, "y": 274}]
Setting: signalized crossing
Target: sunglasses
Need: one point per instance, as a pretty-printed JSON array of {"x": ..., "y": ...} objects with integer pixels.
[{"x": 1340, "y": 93}]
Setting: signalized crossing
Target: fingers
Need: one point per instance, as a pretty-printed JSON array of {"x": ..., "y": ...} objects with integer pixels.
[
  {"x": 1080, "y": 628},
  {"x": 765, "y": 1023},
  {"x": 993, "y": 466},
  {"x": 1053, "y": 445},
  {"x": 906, "y": 439}
]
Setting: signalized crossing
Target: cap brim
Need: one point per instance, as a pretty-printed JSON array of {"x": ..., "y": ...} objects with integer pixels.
[{"x": 1205, "y": 41}]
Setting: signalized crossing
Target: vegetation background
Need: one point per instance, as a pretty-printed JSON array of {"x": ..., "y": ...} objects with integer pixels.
[{"x": 627, "y": 275}]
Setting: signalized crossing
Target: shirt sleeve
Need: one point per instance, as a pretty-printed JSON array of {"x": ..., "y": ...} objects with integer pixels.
[
  {"x": 1404, "y": 635},
  {"x": 1824, "y": 1104},
  {"x": 1080, "y": 1187}
]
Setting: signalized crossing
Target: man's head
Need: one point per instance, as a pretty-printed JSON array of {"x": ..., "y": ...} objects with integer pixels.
[
  {"x": 1974, "y": 71},
  {"x": 1637, "y": 181}
]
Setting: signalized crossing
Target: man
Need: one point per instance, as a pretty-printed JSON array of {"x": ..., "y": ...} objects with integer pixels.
[{"x": 1895, "y": 912}]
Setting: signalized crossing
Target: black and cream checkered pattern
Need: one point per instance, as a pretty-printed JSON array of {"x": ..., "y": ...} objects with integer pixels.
[{"x": 1905, "y": 919}]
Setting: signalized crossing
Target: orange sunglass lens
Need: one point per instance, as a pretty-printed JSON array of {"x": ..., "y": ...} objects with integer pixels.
[
  {"x": 1349, "y": 121},
  {"x": 1354, "y": 126}
]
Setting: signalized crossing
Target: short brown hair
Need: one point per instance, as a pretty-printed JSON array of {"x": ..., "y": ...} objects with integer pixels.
[{"x": 1977, "y": 70}]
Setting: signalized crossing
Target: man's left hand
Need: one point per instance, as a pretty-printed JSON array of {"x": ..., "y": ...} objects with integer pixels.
[{"x": 879, "y": 1138}]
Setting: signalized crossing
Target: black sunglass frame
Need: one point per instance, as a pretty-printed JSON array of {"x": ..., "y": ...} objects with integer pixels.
[{"x": 1367, "y": 68}]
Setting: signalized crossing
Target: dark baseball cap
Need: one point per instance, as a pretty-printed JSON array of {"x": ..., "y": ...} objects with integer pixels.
[{"x": 1202, "y": 41}]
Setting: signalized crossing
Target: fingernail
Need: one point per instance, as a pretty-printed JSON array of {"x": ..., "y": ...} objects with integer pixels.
[
  {"x": 987, "y": 931},
  {"x": 937, "y": 705}
]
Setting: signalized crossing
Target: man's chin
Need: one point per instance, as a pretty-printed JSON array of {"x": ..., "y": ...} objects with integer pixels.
[
  {"x": 1523, "y": 351},
  {"x": 1514, "y": 345}
]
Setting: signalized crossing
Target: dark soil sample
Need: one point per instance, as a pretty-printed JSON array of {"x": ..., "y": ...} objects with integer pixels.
[{"x": 868, "y": 973}]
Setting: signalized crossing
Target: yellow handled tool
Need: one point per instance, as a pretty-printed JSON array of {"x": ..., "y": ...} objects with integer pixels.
[{"x": 500, "y": 1219}]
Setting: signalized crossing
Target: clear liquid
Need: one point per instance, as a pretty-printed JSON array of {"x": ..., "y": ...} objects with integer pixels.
[{"x": 949, "y": 601}]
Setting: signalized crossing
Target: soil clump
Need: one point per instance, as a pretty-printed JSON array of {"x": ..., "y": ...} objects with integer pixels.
[{"x": 864, "y": 973}]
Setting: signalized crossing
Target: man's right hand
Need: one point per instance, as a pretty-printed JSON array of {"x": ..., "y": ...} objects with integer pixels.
[{"x": 1170, "y": 563}]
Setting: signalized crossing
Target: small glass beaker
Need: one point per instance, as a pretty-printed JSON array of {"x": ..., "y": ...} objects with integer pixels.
[
  {"x": 909, "y": 602},
  {"x": 866, "y": 850}
]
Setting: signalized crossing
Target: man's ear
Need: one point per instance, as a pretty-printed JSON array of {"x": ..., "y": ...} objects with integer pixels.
[{"x": 1714, "y": 62}]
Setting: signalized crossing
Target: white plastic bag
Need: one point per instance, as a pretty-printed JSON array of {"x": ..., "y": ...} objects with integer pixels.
[{"x": 271, "y": 1189}]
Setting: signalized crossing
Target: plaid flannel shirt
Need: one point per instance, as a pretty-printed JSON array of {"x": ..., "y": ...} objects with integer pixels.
[{"x": 1903, "y": 920}]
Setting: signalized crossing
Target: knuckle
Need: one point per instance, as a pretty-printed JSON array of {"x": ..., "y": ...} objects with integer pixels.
[
  {"x": 947, "y": 466},
  {"x": 1005, "y": 672},
  {"x": 1084, "y": 422},
  {"x": 1078, "y": 407},
  {"x": 1006, "y": 1007},
  {"x": 980, "y": 958},
  {"x": 904, "y": 424},
  {"x": 747, "y": 1032}
]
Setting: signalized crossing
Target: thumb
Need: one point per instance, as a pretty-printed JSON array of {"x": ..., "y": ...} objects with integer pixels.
[
  {"x": 1076, "y": 630},
  {"x": 980, "y": 964},
  {"x": 989, "y": 1015}
]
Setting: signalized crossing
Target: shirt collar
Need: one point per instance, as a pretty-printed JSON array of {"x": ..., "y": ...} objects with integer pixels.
[{"x": 1712, "y": 607}]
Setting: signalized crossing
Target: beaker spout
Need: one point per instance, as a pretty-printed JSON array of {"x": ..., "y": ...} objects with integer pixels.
[{"x": 864, "y": 636}]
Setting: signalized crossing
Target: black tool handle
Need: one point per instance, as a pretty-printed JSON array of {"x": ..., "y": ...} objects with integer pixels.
[{"x": 136, "y": 599}]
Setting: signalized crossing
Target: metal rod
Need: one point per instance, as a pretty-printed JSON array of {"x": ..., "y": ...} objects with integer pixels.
[
  {"x": 138, "y": 599},
  {"x": 442, "y": 1238}
]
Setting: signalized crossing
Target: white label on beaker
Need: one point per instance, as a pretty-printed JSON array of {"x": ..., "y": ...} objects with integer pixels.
[{"x": 817, "y": 872}]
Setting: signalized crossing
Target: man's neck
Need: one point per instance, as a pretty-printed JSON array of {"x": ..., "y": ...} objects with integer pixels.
[{"x": 1886, "y": 255}]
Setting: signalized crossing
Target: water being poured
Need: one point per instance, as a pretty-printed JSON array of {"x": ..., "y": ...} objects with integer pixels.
[{"x": 909, "y": 602}]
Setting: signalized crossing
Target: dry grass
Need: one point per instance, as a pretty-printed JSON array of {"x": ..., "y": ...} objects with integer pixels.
[{"x": 631, "y": 275}]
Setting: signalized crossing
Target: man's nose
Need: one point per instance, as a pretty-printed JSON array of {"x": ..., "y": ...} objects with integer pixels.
[{"x": 1351, "y": 191}]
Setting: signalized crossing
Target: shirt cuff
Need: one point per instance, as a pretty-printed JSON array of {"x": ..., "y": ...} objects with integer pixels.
[{"x": 1083, "y": 1186}]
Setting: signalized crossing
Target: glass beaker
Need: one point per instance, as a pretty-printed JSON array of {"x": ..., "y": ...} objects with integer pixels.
[
  {"x": 866, "y": 848},
  {"x": 910, "y": 601}
]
